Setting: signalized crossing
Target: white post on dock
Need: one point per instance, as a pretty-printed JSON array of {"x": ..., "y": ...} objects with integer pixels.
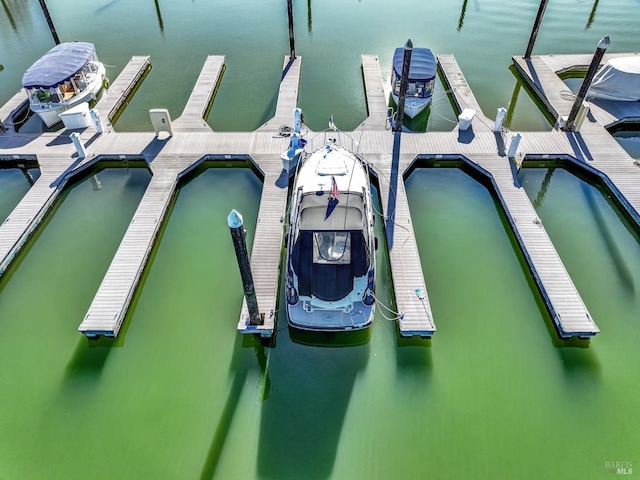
[
  {"x": 75, "y": 137},
  {"x": 513, "y": 148},
  {"x": 500, "y": 117},
  {"x": 95, "y": 116},
  {"x": 297, "y": 120},
  {"x": 603, "y": 44},
  {"x": 235, "y": 223}
]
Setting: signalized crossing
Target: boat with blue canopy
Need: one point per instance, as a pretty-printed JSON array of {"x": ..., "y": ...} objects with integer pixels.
[
  {"x": 422, "y": 79},
  {"x": 66, "y": 76}
]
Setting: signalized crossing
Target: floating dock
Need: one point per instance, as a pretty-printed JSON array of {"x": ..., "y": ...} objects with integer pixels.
[{"x": 391, "y": 157}]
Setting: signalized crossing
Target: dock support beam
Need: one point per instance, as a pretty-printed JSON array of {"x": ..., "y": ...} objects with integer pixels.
[
  {"x": 586, "y": 83},
  {"x": 536, "y": 27},
  {"x": 404, "y": 80},
  {"x": 52, "y": 27},
  {"x": 292, "y": 45},
  {"x": 240, "y": 246}
]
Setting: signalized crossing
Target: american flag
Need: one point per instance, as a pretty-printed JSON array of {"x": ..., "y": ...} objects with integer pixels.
[{"x": 334, "y": 189}]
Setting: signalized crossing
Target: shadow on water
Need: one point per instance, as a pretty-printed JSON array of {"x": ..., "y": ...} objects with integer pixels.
[
  {"x": 303, "y": 417},
  {"x": 88, "y": 361},
  {"x": 580, "y": 363},
  {"x": 240, "y": 367},
  {"x": 617, "y": 258},
  {"x": 413, "y": 358}
]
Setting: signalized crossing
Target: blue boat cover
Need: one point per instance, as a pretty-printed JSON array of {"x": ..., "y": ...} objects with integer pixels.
[
  {"x": 422, "y": 66},
  {"x": 58, "y": 65}
]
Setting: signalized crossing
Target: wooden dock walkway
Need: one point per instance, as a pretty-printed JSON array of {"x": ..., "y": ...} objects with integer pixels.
[
  {"x": 194, "y": 114},
  {"x": 110, "y": 304},
  {"x": 124, "y": 86},
  {"x": 377, "y": 99},
  {"x": 17, "y": 102},
  {"x": 267, "y": 246},
  {"x": 456, "y": 83},
  {"x": 390, "y": 156},
  {"x": 592, "y": 146},
  {"x": 28, "y": 214},
  {"x": 287, "y": 96}
]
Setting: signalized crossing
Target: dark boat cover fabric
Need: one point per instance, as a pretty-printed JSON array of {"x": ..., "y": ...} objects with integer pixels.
[
  {"x": 422, "y": 66},
  {"x": 328, "y": 282},
  {"x": 58, "y": 65}
]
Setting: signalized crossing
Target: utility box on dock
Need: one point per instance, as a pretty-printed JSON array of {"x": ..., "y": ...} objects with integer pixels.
[
  {"x": 161, "y": 120},
  {"x": 76, "y": 117}
]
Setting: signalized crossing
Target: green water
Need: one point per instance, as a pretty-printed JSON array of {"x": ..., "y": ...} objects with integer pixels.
[
  {"x": 178, "y": 394},
  {"x": 13, "y": 185}
]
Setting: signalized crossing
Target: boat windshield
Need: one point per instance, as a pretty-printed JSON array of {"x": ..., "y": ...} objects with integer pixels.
[{"x": 332, "y": 248}]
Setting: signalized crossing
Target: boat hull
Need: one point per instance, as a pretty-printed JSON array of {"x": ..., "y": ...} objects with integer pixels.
[
  {"x": 49, "y": 113},
  {"x": 360, "y": 316},
  {"x": 413, "y": 106}
]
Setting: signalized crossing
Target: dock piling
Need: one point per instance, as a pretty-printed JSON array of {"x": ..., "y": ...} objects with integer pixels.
[
  {"x": 536, "y": 27},
  {"x": 236, "y": 227},
  {"x": 292, "y": 46},
  {"x": 52, "y": 27},
  {"x": 404, "y": 80},
  {"x": 603, "y": 44}
]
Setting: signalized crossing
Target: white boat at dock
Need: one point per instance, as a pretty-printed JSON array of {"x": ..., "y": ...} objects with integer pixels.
[
  {"x": 64, "y": 77},
  {"x": 330, "y": 272},
  {"x": 422, "y": 79}
]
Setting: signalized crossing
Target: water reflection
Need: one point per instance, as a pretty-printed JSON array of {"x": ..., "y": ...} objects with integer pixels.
[
  {"x": 9, "y": 16},
  {"x": 160, "y": 22},
  {"x": 303, "y": 418},
  {"x": 592, "y": 15}
]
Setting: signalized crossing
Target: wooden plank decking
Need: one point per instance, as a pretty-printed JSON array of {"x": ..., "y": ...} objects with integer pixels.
[
  {"x": 17, "y": 101},
  {"x": 377, "y": 98},
  {"x": 111, "y": 302},
  {"x": 193, "y": 117},
  {"x": 455, "y": 82},
  {"x": 119, "y": 92},
  {"x": 287, "y": 96},
  {"x": 267, "y": 246},
  {"x": 26, "y": 216},
  {"x": 389, "y": 156}
]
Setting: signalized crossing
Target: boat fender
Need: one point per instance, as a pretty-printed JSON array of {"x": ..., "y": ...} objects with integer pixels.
[{"x": 105, "y": 83}]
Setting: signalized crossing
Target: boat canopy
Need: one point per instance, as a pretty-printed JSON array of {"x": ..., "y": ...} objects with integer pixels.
[
  {"x": 618, "y": 80},
  {"x": 58, "y": 65},
  {"x": 422, "y": 66}
]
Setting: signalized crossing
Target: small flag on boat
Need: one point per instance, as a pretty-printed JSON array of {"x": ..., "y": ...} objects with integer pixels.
[
  {"x": 335, "y": 193},
  {"x": 332, "y": 125}
]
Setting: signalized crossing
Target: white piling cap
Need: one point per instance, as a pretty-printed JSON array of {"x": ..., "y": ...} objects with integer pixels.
[{"x": 234, "y": 219}]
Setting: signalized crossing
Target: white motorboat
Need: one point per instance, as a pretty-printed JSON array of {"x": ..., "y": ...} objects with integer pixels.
[
  {"x": 330, "y": 272},
  {"x": 422, "y": 79},
  {"x": 66, "y": 76}
]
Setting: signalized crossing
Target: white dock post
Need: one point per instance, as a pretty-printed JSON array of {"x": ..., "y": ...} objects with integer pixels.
[
  {"x": 95, "y": 116},
  {"x": 513, "y": 148},
  {"x": 75, "y": 137},
  {"x": 500, "y": 116},
  {"x": 297, "y": 120}
]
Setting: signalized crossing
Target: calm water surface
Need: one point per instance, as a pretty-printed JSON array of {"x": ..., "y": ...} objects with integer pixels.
[{"x": 178, "y": 394}]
